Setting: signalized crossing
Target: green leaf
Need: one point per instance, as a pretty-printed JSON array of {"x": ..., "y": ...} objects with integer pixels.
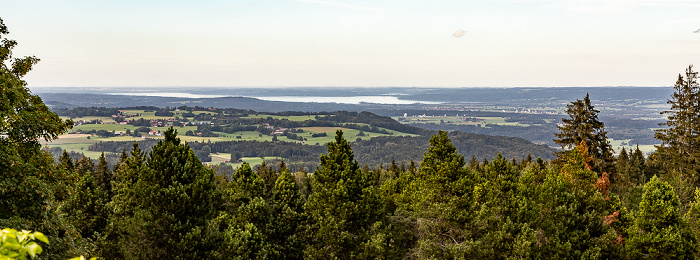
[
  {"x": 33, "y": 249},
  {"x": 40, "y": 236},
  {"x": 21, "y": 236}
]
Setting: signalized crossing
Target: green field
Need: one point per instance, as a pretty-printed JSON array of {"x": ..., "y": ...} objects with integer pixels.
[{"x": 80, "y": 142}]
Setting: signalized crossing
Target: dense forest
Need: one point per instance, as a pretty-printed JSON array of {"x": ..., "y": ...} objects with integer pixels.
[{"x": 165, "y": 204}]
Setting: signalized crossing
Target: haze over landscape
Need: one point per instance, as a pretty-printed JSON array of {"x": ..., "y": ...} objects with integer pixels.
[{"x": 280, "y": 43}]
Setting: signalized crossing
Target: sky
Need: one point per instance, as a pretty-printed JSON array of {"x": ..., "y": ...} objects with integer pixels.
[{"x": 355, "y": 43}]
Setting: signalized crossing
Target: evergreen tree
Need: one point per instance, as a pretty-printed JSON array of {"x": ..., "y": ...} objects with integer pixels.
[
  {"x": 441, "y": 197},
  {"x": 342, "y": 207},
  {"x": 498, "y": 231},
  {"x": 692, "y": 217},
  {"x": 569, "y": 210},
  {"x": 239, "y": 230},
  {"x": 680, "y": 141},
  {"x": 583, "y": 126},
  {"x": 268, "y": 176},
  {"x": 66, "y": 161},
  {"x": 637, "y": 168},
  {"x": 659, "y": 232},
  {"x": 86, "y": 208},
  {"x": 285, "y": 230},
  {"x": 164, "y": 209},
  {"x": 104, "y": 176},
  {"x": 116, "y": 240},
  {"x": 621, "y": 178}
]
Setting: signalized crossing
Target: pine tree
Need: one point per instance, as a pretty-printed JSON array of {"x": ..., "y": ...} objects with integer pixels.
[
  {"x": 659, "y": 232},
  {"x": 583, "y": 126},
  {"x": 342, "y": 207}
]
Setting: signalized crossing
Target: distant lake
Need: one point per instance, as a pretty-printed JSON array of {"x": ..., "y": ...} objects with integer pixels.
[
  {"x": 392, "y": 100},
  {"x": 346, "y": 100}
]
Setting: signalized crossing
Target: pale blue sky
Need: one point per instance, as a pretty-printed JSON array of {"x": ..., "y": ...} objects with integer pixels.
[{"x": 356, "y": 43}]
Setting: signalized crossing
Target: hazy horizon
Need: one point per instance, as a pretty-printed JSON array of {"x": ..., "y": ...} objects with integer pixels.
[{"x": 344, "y": 43}]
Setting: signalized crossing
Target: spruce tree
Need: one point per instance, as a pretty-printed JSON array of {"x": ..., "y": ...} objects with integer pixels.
[
  {"x": 342, "y": 207},
  {"x": 104, "y": 176},
  {"x": 583, "y": 126},
  {"x": 621, "y": 178},
  {"x": 680, "y": 140},
  {"x": 637, "y": 168}
]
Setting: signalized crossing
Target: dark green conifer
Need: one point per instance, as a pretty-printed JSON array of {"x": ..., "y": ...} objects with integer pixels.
[
  {"x": 342, "y": 207},
  {"x": 66, "y": 161},
  {"x": 680, "y": 135},
  {"x": 164, "y": 212},
  {"x": 583, "y": 126},
  {"x": 103, "y": 176},
  {"x": 637, "y": 167},
  {"x": 86, "y": 208}
]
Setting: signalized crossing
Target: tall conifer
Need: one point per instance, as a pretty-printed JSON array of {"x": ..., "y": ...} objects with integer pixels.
[
  {"x": 583, "y": 125},
  {"x": 680, "y": 141},
  {"x": 342, "y": 207}
]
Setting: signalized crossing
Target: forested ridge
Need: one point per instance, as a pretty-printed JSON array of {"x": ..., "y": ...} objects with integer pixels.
[{"x": 165, "y": 204}]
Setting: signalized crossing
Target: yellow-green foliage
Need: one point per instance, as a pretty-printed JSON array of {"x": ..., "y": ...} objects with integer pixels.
[{"x": 17, "y": 244}]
